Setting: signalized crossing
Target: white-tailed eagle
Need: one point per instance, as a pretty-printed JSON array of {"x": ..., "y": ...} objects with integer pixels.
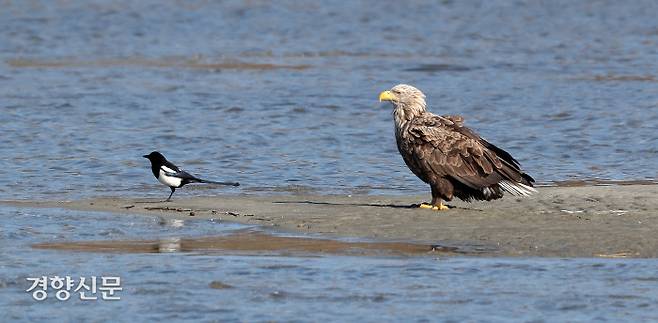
[{"x": 451, "y": 158}]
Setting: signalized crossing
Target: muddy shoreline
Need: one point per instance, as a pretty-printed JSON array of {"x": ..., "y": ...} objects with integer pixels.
[{"x": 586, "y": 221}]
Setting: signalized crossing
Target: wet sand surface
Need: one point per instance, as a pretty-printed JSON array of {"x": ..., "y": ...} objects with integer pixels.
[
  {"x": 252, "y": 243},
  {"x": 589, "y": 221}
]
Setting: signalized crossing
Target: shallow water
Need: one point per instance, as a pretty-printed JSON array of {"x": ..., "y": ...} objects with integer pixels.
[
  {"x": 282, "y": 96},
  {"x": 223, "y": 286}
]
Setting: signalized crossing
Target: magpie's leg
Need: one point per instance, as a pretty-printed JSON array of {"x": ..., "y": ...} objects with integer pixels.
[{"x": 172, "y": 193}]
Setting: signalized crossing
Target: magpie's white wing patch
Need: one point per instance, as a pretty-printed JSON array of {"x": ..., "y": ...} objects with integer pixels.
[
  {"x": 167, "y": 177},
  {"x": 168, "y": 170}
]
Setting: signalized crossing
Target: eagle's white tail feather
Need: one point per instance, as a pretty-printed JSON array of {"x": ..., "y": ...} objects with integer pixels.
[{"x": 517, "y": 188}]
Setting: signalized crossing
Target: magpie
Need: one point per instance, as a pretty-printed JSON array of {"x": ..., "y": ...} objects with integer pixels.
[{"x": 169, "y": 174}]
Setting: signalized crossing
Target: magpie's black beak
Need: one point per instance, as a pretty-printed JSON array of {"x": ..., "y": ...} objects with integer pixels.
[{"x": 146, "y": 156}]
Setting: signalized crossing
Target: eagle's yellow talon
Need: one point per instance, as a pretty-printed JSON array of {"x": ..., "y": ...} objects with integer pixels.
[{"x": 439, "y": 207}]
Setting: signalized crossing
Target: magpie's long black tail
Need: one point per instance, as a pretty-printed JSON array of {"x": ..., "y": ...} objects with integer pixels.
[{"x": 217, "y": 183}]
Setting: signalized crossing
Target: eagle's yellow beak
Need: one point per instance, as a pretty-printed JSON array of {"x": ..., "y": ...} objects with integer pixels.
[{"x": 386, "y": 96}]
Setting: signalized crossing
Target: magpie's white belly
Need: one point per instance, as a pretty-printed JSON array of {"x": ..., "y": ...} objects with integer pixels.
[{"x": 169, "y": 180}]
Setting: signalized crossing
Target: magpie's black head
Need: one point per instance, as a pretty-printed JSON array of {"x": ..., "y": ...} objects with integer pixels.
[{"x": 155, "y": 157}]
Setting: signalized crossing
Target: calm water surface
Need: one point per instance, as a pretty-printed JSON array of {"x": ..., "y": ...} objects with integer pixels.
[
  {"x": 282, "y": 95},
  {"x": 168, "y": 286}
]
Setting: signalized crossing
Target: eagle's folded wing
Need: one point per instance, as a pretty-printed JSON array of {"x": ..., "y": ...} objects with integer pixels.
[{"x": 441, "y": 146}]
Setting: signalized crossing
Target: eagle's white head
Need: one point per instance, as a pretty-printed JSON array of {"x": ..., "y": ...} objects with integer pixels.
[{"x": 409, "y": 102}]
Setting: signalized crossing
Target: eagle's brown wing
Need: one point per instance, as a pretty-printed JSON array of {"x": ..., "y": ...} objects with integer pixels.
[
  {"x": 443, "y": 147},
  {"x": 511, "y": 169},
  {"x": 505, "y": 157},
  {"x": 438, "y": 150}
]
